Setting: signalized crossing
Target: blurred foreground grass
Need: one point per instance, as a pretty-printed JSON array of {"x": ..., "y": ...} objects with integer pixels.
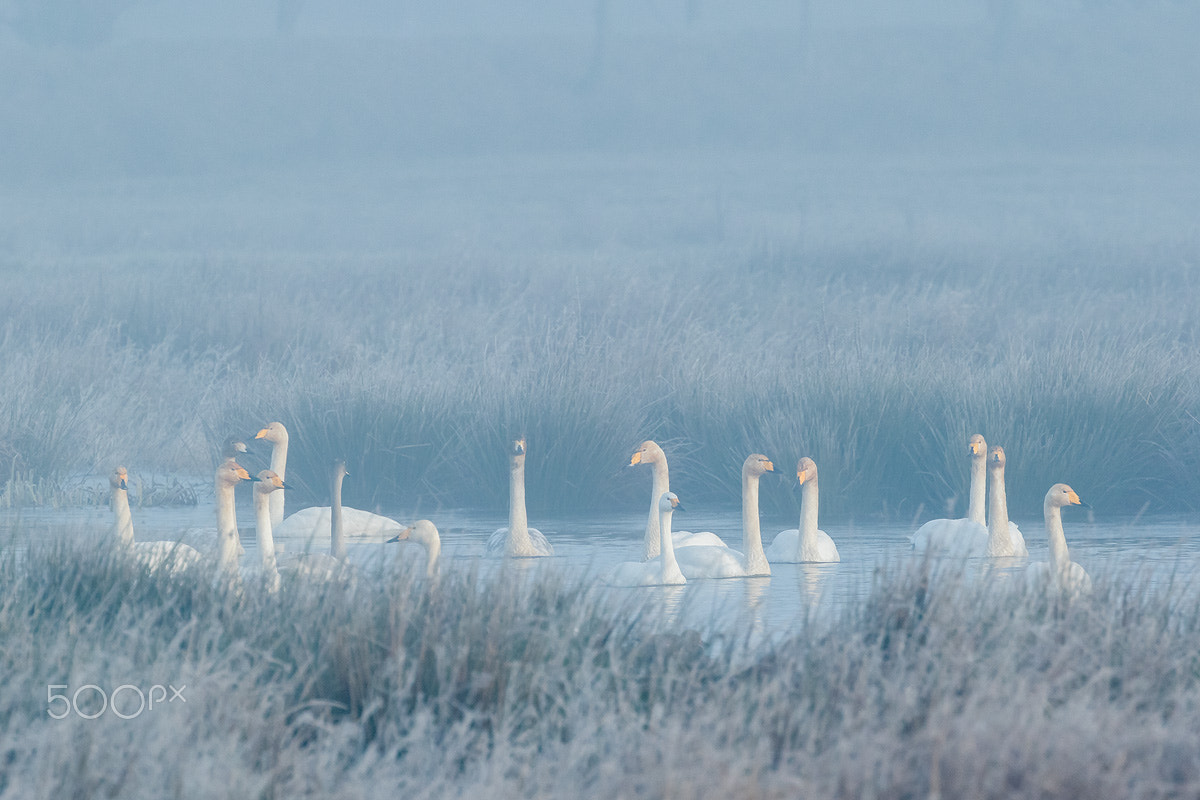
[{"x": 527, "y": 684}]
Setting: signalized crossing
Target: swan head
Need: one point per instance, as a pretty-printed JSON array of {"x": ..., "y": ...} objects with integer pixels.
[
  {"x": 995, "y": 459},
  {"x": 648, "y": 452},
  {"x": 806, "y": 470},
  {"x": 977, "y": 446},
  {"x": 517, "y": 452},
  {"x": 1061, "y": 495},
  {"x": 339, "y": 468},
  {"x": 231, "y": 472},
  {"x": 422, "y": 531},
  {"x": 274, "y": 433},
  {"x": 669, "y": 502},
  {"x": 119, "y": 478},
  {"x": 267, "y": 482},
  {"x": 232, "y": 447},
  {"x": 757, "y": 464}
]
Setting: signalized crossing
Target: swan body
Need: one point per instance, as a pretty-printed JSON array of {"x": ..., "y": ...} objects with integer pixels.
[
  {"x": 651, "y": 454},
  {"x": 228, "y": 542},
  {"x": 314, "y": 523},
  {"x": 1060, "y": 574},
  {"x": 961, "y": 536},
  {"x": 662, "y": 570},
  {"x": 277, "y": 435},
  {"x": 172, "y": 556},
  {"x": 518, "y": 539},
  {"x": 424, "y": 533},
  {"x": 707, "y": 561},
  {"x": 805, "y": 544},
  {"x": 1004, "y": 538}
]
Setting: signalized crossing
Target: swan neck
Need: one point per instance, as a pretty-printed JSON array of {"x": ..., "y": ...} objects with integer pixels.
[
  {"x": 518, "y": 521},
  {"x": 433, "y": 551},
  {"x": 975, "y": 510},
  {"x": 999, "y": 538},
  {"x": 670, "y": 567},
  {"x": 809, "y": 502},
  {"x": 1060, "y": 557},
  {"x": 756, "y": 559},
  {"x": 660, "y": 485},
  {"x": 122, "y": 519},
  {"x": 279, "y": 451},
  {"x": 227, "y": 532},
  {"x": 337, "y": 533},
  {"x": 266, "y": 538}
]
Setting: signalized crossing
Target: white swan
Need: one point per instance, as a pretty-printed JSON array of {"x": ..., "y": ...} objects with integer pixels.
[
  {"x": 424, "y": 533},
  {"x": 806, "y": 543},
  {"x": 228, "y": 541},
  {"x": 315, "y": 523},
  {"x": 1060, "y": 573},
  {"x": 961, "y": 536},
  {"x": 267, "y": 484},
  {"x": 277, "y": 435},
  {"x": 650, "y": 453},
  {"x": 174, "y": 556},
  {"x": 518, "y": 539},
  {"x": 660, "y": 571},
  {"x": 1004, "y": 538},
  {"x": 707, "y": 561}
]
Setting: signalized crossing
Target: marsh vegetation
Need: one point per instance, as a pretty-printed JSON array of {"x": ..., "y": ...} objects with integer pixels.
[{"x": 531, "y": 685}]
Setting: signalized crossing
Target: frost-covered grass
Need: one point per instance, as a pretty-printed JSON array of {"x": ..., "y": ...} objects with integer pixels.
[
  {"x": 413, "y": 320},
  {"x": 528, "y": 685}
]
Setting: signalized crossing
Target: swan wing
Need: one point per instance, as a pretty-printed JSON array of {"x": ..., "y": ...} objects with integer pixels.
[
  {"x": 699, "y": 539},
  {"x": 312, "y": 525},
  {"x": 1075, "y": 580},
  {"x": 1019, "y": 548},
  {"x": 954, "y": 537},
  {"x": 825, "y": 550},
  {"x": 171, "y": 556},
  {"x": 710, "y": 562},
  {"x": 497, "y": 544},
  {"x": 785, "y": 549},
  {"x": 360, "y": 524},
  {"x": 640, "y": 573},
  {"x": 785, "y": 546}
]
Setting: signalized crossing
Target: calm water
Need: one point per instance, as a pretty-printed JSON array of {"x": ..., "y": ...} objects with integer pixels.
[{"x": 1150, "y": 549}]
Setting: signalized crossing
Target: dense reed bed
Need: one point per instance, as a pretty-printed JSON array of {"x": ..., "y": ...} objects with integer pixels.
[
  {"x": 875, "y": 345},
  {"x": 530, "y": 685}
]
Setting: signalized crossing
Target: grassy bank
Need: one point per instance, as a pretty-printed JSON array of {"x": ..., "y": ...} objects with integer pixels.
[
  {"x": 717, "y": 326},
  {"x": 539, "y": 687}
]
